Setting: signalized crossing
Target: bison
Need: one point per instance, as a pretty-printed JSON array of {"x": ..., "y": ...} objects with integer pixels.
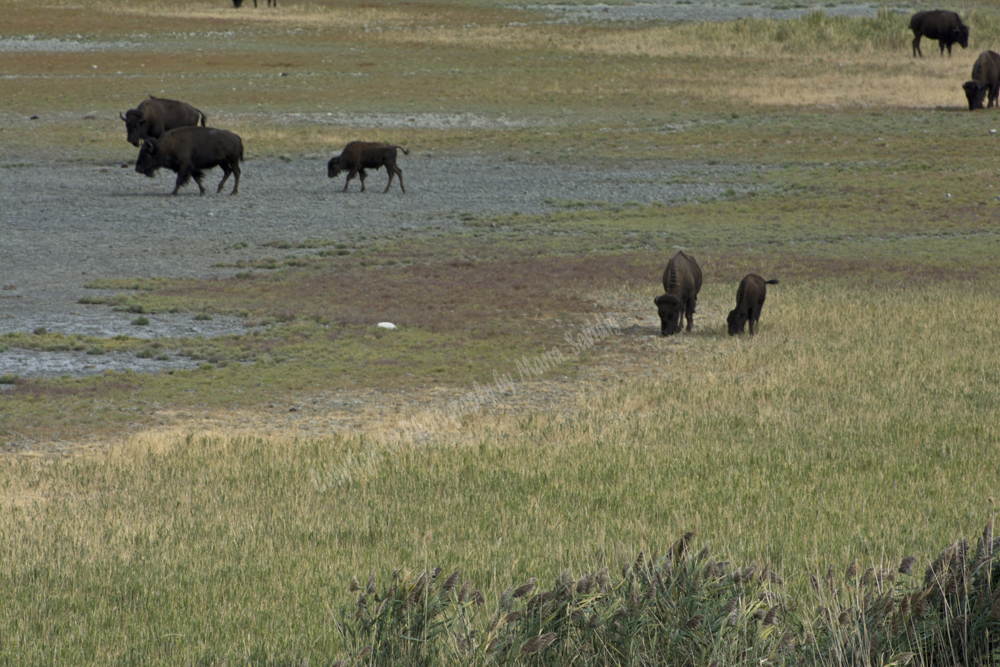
[
  {"x": 157, "y": 115},
  {"x": 681, "y": 284},
  {"x": 946, "y": 27},
  {"x": 985, "y": 79},
  {"x": 750, "y": 297},
  {"x": 360, "y": 155},
  {"x": 239, "y": 3},
  {"x": 188, "y": 151}
]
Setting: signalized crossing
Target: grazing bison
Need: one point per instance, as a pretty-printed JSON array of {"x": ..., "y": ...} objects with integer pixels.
[
  {"x": 946, "y": 27},
  {"x": 156, "y": 115},
  {"x": 190, "y": 150},
  {"x": 750, "y": 297},
  {"x": 239, "y": 3},
  {"x": 360, "y": 155},
  {"x": 681, "y": 284},
  {"x": 985, "y": 79}
]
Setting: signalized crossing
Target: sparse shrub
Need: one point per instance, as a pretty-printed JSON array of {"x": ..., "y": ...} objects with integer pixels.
[
  {"x": 203, "y": 316},
  {"x": 97, "y": 349},
  {"x": 8, "y": 378},
  {"x": 140, "y": 321}
]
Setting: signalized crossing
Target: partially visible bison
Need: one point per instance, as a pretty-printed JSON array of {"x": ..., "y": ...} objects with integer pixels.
[
  {"x": 188, "y": 151},
  {"x": 946, "y": 27},
  {"x": 239, "y": 3},
  {"x": 157, "y": 115},
  {"x": 750, "y": 297},
  {"x": 681, "y": 284},
  {"x": 985, "y": 79},
  {"x": 360, "y": 155}
]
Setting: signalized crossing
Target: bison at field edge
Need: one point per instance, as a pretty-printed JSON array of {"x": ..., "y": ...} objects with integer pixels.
[
  {"x": 750, "y": 297},
  {"x": 360, "y": 155},
  {"x": 239, "y": 3},
  {"x": 188, "y": 151},
  {"x": 681, "y": 284},
  {"x": 946, "y": 27},
  {"x": 157, "y": 115},
  {"x": 985, "y": 79}
]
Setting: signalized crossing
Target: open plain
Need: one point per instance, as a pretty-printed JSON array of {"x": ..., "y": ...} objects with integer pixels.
[{"x": 207, "y": 441}]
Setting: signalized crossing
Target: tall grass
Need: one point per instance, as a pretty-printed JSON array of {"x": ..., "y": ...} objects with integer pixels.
[{"x": 857, "y": 425}]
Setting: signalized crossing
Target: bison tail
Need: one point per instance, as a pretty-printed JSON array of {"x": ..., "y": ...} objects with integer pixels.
[
  {"x": 204, "y": 118},
  {"x": 771, "y": 282},
  {"x": 405, "y": 152}
]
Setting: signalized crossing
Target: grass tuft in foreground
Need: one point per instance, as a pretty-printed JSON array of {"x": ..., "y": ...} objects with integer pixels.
[{"x": 684, "y": 608}]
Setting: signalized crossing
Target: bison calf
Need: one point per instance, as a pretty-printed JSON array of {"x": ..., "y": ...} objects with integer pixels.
[
  {"x": 188, "y": 151},
  {"x": 360, "y": 155},
  {"x": 157, "y": 115},
  {"x": 946, "y": 27},
  {"x": 750, "y": 297},
  {"x": 985, "y": 79},
  {"x": 681, "y": 284}
]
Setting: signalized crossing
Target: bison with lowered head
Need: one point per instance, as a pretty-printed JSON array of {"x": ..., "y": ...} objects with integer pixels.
[
  {"x": 985, "y": 79},
  {"x": 360, "y": 155},
  {"x": 946, "y": 27},
  {"x": 156, "y": 115},
  {"x": 681, "y": 284},
  {"x": 750, "y": 297},
  {"x": 188, "y": 151}
]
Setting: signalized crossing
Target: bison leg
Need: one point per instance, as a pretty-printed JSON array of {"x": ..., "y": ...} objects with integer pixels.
[
  {"x": 236, "y": 178},
  {"x": 226, "y": 170},
  {"x": 916, "y": 47},
  {"x": 183, "y": 176},
  {"x": 394, "y": 171},
  {"x": 689, "y": 312},
  {"x": 351, "y": 174}
]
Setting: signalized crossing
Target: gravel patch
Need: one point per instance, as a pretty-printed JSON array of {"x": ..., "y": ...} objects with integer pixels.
[{"x": 67, "y": 224}]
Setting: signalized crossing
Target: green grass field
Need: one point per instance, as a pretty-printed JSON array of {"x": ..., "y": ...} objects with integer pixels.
[{"x": 861, "y": 424}]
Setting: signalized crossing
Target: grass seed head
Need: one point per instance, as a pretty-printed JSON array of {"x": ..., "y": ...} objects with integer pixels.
[
  {"x": 536, "y": 644},
  {"x": 524, "y": 589},
  {"x": 450, "y": 582},
  {"x": 354, "y": 586},
  {"x": 771, "y": 615},
  {"x": 852, "y": 570}
]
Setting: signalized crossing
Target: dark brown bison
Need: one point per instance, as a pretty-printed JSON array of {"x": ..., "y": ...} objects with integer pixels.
[
  {"x": 681, "y": 284},
  {"x": 360, "y": 155},
  {"x": 946, "y": 27},
  {"x": 188, "y": 151},
  {"x": 156, "y": 115},
  {"x": 750, "y": 297},
  {"x": 985, "y": 79},
  {"x": 239, "y": 3}
]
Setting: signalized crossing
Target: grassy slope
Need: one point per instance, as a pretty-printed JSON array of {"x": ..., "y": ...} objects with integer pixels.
[{"x": 859, "y": 424}]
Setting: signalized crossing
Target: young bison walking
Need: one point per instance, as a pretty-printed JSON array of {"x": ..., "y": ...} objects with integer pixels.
[
  {"x": 750, "y": 297},
  {"x": 985, "y": 79},
  {"x": 360, "y": 155},
  {"x": 681, "y": 284}
]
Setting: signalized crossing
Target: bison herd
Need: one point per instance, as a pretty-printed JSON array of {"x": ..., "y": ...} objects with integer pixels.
[{"x": 173, "y": 135}]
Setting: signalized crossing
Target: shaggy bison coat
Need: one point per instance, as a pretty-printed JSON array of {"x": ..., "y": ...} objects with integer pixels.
[
  {"x": 360, "y": 155},
  {"x": 188, "y": 151},
  {"x": 157, "y": 115},
  {"x": 946, "y": 27},
  {"x": 750, "y": 297},
  {"x": 985, "y": 79},
  {"x": 681, "y": 284}
]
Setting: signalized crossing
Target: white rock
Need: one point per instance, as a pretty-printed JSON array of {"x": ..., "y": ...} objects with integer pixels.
[{"x": 386, "y": 325}]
